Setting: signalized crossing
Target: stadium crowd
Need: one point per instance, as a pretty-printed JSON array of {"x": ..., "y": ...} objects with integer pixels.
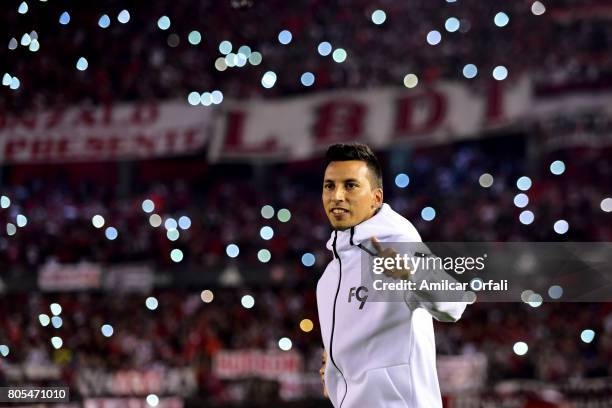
[{"x": 137, "y": 60}]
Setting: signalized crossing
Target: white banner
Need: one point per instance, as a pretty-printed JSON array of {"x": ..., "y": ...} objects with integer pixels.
[
  {"x": 254, "y": 363},
  {"x": 125, "y": 131},
  {"x": 57, "y": 277},
  {"x": 300, "y": 127}
]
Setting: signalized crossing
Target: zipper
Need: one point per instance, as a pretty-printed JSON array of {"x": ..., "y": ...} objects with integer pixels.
[{"x": 331, "y": 341}]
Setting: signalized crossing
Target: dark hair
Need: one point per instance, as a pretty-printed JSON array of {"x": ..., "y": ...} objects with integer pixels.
[{"x": 355, "y": 151}]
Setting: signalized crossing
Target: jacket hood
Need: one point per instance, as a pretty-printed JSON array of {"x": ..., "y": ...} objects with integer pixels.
[{"x": 383, "y": 225}]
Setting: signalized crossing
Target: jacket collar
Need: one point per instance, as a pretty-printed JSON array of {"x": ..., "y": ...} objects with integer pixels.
[{"x": 383, "y": 224}]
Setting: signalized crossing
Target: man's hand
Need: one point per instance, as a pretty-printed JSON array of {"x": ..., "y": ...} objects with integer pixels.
[
  {"x": 381, "y": 252},
  {"x": 322, "y": 373}
]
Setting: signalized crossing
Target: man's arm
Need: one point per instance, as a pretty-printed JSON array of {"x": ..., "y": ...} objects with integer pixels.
[
  {"x": 442, "y": 305},
  {"x": 322, "y": 372}
]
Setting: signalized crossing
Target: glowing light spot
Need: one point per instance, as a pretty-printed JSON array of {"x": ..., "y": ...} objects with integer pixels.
[
  {"x": 64, "y": 18},
  {"x": 206, "y": 98},
  {"x": 22, "y": 220},
  {"x": 244, "y": 50},
  {"x": 339, "y": 55},
  {"x": 184, "y": 222},
  {"x": 193, "y": 98},
  {"x": 26, "y": 40},
  {"x": 152, "y": 400},
  {"x": 285, "y": 37},
  {"x": 526, "y": 217},
  {"x": 151, "y": 303},
  {"x": 306, "y": 325},
  {"x": 155, "y": 220},
  {"x": 104, "y": 21},
  {"x": 537, "y": 8},
  {"x": 523, "y": 183},
  {"x": 172, "y": 235},
  {"x": 57, "y": 342},
  {"x": 324, "y": 48},
  {"x": 194, "y": 37},
  {"x": 232, "y": 250},
  {"x": 535, "y": 300},
  {"x": 34, "y": 46},
  {"x": 587, "y": 335},
  {"x": 268, "y": 80},
  {"x": 485, "y": 180},
  {"x": 56, "y": 309},
  {"x": 107, "y": 330},
  {"x": 56, "y": 322},
  {"x": 111, "y": 233},
  {"x": 176, "y": 255},
  {"x": 501, "y": 19},
  {"x": 6, "y": 81},
  {"x": 434, "y": 37},
  {"x": 163, "y": 23},
  {"x": 98, "y": 221},
  {"x": 247, "y": 301},
  {"x": 402, "y": 180},
  {"x": 606, "y": 204},
  {"x": 284, "y": 215},
  {"x": 521, "y": 200},
  {"x": 11, "y": 229},
  {"x": 82, "y": 64},
  {"x": 255, "y": 58},
  {"x": 148, "y": 206},
  {"x": 4, "y": 350},
  {"x": 285, "y": 344},
  {"x": 470, "y": 71},
  {"x": 557, "y": 167},
  {"x": 308, "y": 259},
  {"x": 555, "y": 292},
  {"x": 207, "y": 296},
  {"x": 500, "y": 72},
  {"x": 225, "y": 47},
  {"x": 216, "y": 97},
  {"x": 379, "y": 17},
  {"x": 15, "y": 83},
  {"x": 123, "y": 17},
  {"x": 266, "y": 233},
  {"x": 170, "y": 224},
  {"x": 12, "y": 43},
  {"x": 220, "y": 64},
  {"x": 410, "y": 81},
  {"x": 307, "y": 78},
  {"x": 264, "y": 255},
  {"x": 44, "y": 320},
  {"x": 23, "y": 8},
  {"x": 428, "y": 213},
  {"x": 452, "y": 24},
  {"x": 267, "y": 211},
  {"x": 520, "y": 348},
  {"x": 561, "y": 226}
]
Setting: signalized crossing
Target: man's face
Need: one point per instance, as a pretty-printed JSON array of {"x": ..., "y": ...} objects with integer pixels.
[{"x": 349, "y": 195}]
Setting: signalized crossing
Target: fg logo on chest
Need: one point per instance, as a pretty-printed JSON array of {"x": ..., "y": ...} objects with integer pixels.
[{"x": 359, "y": 293}]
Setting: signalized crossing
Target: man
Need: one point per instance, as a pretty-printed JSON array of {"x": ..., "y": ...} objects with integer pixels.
[{"x": 379, "y": 354}]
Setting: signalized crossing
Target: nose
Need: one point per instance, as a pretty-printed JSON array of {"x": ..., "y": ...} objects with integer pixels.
[{"x": 338, "y": 194}]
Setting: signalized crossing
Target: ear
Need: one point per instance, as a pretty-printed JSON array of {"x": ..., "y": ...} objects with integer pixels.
[{"x": 378, "y": 197}]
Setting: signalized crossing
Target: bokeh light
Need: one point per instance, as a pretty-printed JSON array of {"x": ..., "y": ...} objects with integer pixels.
[
  {"x": 111, "y": 233},
  {"x": 485, "y": 180},
  {"x": 523, "y": 183},
  {"x": 97, "y": 221},
  {"x": 285, "y": 37},
  {"x": 561, "y": 226},
  {"x": 411, "y": 80},
  {"x": 163, "y": 23},
  {"x": 324, "y": 48},
  {"x": 266, "y": 233},
  {"x": 123, "y": 17},
  {"x": 521, "y": 200},
  {"x": 557, "y": 167},
  {"x": 247, "y": 301},
  {"x": 148, "y": 206},
  {"x": 428, "y": 213},
  {"x": 284, "y": 215},
  {"x": 264, "y": 255},
  {"x": 152, "y": 400},
  {"x": 606, "y": 204},
  {"x": 56, "y": 309},
  {"x": 306, "y": 325},
  {"x": 308, "y": 259},
  {"x": 501, "y": 19},
  {"x": 587, "y": 336},
  {"x": 379, "y": 17},
  {"x": 285, "y": 344},
  {"x": 104, "y": 21},
  {"x": 207, "y": 296},
  {"x": 57, "y": 342},
  {"x": 339, "y": 55},
  {"x": 402, "y": 180},
  {"x": 107, "y": 330},
  {"x": 64, "y": 18},
  {"x": 194, "y": 37},
  {"x": 555, "y": 292},
  {"x": 452, "y": 24},
  {"x": 307, "y": 79},
  {"x": 82, "y": 64},
  {"x": 176, "y": 255},
  {"x": 268, "y": 79},
  {"x": 434, "y": 37},
  {"x": 500, "y": 73},
  {"x": 520, "y": 348},
  {"x": 232, "y": 250},
  {"x": 151, "y": 303},
  {"x": 526, "y": 217},
  {"x": 538, "y": 8}
]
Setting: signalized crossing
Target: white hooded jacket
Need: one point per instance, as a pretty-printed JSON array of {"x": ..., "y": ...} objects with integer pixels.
[{"x": 381, "y": 354}]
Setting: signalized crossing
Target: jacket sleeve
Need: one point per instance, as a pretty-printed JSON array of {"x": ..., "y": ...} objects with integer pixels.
[{"x": 443, "y": 305}]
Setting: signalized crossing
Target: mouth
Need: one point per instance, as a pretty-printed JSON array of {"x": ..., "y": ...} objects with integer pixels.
[{"x": 339, "y": 211}]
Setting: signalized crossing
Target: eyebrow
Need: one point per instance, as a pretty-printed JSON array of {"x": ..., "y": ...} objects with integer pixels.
[{"x": 345, "y": 181}]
